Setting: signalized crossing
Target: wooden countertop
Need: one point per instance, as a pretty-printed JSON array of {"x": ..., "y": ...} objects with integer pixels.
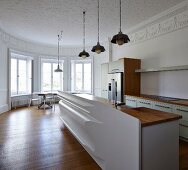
[
  {"x": 149, "y": 116},
  {"x": 182, "y": 102},
  {"x": 146, "y": 116}
]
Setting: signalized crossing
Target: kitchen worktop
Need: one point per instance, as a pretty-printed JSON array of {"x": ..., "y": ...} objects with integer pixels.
[
  {"x": 163, "y": 99},
  {"x": 146, "y": 116},
  {"x": 149, "y": 116}
]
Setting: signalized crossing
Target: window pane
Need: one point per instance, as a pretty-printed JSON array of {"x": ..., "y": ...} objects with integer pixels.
[
  {"x": 13, "y": 76},
  {"x": 46, "y": 76},
  {"x": 78, "y": 77},
  {"x": 87, "y": 77},
  {"x": 57, "y": 78},
  {"x": 22, "y": 77}
]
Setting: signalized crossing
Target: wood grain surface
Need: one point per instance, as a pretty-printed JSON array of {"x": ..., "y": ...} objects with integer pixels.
[
  {"x": 150, "y": 116},
  {"x": 36, "y": 139}
]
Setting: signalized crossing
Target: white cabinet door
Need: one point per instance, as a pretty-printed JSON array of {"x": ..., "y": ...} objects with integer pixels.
[
  {"x": 104, "y": 80},
  {"x": 104, "y": 94},
  {"x": 131, "y": 101},
  {"x": 144, "y": 103},
  {"x": 165, "y": 107},
  {"x": 116, "y": 66},
  {"x": 183, "y": 111}
]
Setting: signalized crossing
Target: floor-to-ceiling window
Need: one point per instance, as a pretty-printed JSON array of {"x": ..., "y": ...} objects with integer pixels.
[
  {"x": 81, "y": 76},
  {"x": 50, "y": 80},
  {"x": 21, "y": 74}
]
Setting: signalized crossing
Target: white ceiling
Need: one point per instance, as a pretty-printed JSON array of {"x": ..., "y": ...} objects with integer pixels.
[{"x": 41, "y": 20}]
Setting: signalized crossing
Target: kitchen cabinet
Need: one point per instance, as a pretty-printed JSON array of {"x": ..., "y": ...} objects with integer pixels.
[
  {"x": 104, "y": 80},
  {"x": 116, "y": 66},
  {"x": 131, "y": 80},
  {"x": 144, "y": 103},
  {"x": 165, "y": 107},
  {"x": 183, "y": 111},
  {"x": 131, "y": 101},
  {"x": 134, "y": 101}
]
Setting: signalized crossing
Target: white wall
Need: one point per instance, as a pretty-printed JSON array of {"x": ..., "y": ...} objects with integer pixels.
[
  {"x": 169, "y": 47},
  {"x": 97, "y": 61},
  {"x": 3, "y": 78}
]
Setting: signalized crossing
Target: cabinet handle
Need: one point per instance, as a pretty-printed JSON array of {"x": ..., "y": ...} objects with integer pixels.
[
  {"x": 182, "y": 110},
  {"x": 115, "y": 70},
  {"x": 145, "y": 103},
  {"x": 131, "y": 100},
  {"x": 163, "y": 106}
]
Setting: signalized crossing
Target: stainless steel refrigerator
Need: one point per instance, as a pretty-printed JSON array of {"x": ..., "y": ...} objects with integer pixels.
[{"x": 115, "y": 87}]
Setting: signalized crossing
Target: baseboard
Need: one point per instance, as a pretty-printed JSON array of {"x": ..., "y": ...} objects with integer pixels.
[{"x": 3, "y": 108}]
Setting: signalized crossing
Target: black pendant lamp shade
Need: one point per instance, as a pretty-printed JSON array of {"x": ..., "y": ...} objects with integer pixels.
[
  {"x": 98, "y": 48},
  {"x": 83, "y": 54},
  {"x": 120, "y": 38},
  {"x": 58, "y": 67}
]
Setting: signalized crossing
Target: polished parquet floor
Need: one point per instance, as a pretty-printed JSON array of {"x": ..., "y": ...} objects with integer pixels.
[{"x": 36, "y": 139}]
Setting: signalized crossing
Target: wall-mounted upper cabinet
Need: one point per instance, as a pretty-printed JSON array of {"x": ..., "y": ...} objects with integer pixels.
[{"x": 116, "y": 66}]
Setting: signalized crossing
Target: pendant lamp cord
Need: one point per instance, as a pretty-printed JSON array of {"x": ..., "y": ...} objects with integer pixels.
[
  {"x": 120, "y": 14},
  {"x": 58, "y": 48},
  {"x": 98, "y": 20},
  {"x": 84, "y": 29}
]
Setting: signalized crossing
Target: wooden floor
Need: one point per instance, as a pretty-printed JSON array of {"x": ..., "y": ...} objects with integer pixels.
[{"x": 36, "y": 139}]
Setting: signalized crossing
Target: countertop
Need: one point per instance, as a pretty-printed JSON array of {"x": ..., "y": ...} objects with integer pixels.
[
  {"x": 163, "y": 99},
  {"x": 150, "y": 116},
  {"x": 146, "y": 116}
]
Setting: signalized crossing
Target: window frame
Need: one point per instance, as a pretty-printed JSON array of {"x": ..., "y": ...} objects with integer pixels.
[
  {"x": 29, "y": 62},
  {"x": 52, "y": 61},
  {"x": 73, "y": 77}
]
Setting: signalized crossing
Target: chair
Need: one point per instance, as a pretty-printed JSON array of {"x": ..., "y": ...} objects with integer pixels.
[
  {"x": 52, "y": 98},
  {"x": 34, "y": 97}
]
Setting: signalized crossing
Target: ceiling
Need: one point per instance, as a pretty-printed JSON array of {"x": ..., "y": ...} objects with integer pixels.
[{"x": 40, "y": 21}]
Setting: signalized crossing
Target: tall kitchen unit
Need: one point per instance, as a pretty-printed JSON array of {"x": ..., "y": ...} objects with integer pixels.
[
  {"x": 131, "y": 79},
  {"x": 104, "y": 80}
]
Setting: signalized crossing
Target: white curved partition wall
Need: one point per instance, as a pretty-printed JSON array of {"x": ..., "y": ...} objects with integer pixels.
[{"x": 109, "y": 136}]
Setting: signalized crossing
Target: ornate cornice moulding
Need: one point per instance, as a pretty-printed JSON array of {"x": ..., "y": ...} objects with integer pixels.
[{"x": 174, "y": 19}]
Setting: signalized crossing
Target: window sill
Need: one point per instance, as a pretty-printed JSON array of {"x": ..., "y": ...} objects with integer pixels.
[{"x": 20, "y": 95}]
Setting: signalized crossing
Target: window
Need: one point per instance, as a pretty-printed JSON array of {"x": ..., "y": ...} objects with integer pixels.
[
  {"x": 51, "y": 81},
  {"x": 81, "y": 76},
  {"x": 21, "y": 74}
]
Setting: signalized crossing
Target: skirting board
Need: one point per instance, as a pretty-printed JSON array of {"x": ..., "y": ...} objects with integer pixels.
[{"x": 3, "y": 108}]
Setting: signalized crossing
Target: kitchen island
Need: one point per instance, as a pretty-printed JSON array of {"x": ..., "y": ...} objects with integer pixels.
[{"x": 122, "y": 138}]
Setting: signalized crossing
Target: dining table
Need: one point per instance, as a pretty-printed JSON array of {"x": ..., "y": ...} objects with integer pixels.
[{"x": 47, "y": 99}]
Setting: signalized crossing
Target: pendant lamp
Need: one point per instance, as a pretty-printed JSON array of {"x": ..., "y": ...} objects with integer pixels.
[
  {"x": 58, "y": 67},
  {"x": 98, "y": 48},
  {"x": 83, "y": 54},
  {"x": 120, "y": 38}
]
